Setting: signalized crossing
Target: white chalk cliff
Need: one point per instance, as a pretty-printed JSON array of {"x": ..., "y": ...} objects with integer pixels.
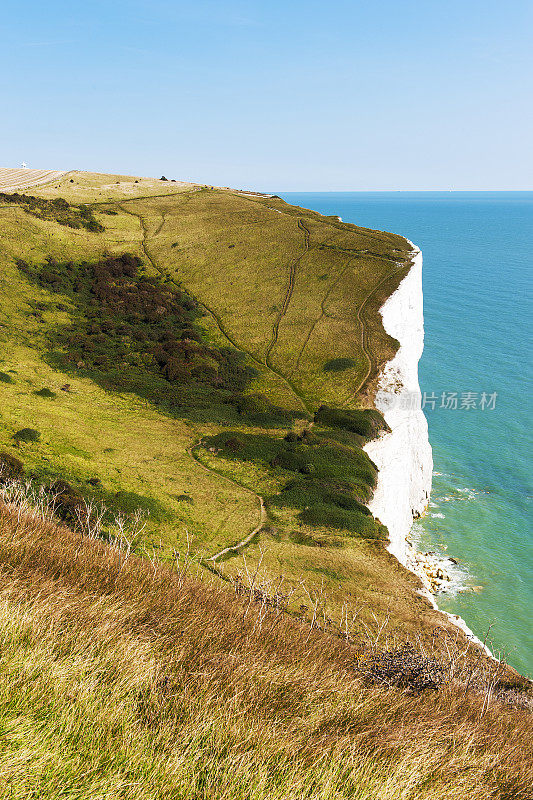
[{"x": 403, "y": 456}]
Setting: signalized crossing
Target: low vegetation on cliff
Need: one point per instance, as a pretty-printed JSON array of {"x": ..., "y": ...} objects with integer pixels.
[
  {"x": 57, "y": 209},
  {"x": 123, "y": 678},
  {"x": 190, "y": 369}
]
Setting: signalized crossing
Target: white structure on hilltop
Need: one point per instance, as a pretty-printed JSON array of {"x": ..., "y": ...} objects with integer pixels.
[{"x": 24, "y": 165}]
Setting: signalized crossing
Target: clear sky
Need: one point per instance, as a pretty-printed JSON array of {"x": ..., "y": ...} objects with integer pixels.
[{"x": 273, "y": 94}]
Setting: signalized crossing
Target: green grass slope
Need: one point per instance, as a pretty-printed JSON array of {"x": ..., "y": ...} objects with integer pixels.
[
  {"x": 121, "y": 678},
  {"x": 186, "y": 379}
]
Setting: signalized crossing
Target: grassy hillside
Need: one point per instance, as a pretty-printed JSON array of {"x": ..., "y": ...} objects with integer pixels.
[
  {"x": 197, "y": 602},
  {"x": 125, "y": 679},
  {"x": 172, "y": 346}
]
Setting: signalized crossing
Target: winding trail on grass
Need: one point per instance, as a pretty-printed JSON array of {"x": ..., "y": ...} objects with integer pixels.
[
  {"x": 220, "y": 325},
  {"x": 364, "y": 333},
  {"x": 288, "y": 293},
  {"x": 239, "y": 546},
  {"x": 323, "y": 314},
  {"x": 234, "y": 549}
]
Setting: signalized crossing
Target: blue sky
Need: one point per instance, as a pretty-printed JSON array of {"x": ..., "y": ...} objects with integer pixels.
[{"x": 380, "y": 94}]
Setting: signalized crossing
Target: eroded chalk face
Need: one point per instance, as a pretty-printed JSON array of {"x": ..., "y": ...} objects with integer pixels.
[{"x": 403, "y": 456}]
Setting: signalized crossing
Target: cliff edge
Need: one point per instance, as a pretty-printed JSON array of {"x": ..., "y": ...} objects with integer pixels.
[{"x": 403, "y": 456}]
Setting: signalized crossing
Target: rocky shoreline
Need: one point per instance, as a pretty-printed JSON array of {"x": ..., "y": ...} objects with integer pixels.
[{"x": 431, "y": 568}]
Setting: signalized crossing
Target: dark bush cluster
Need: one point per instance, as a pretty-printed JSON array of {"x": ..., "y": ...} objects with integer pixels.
[
  {"x": 339, "y": 364},
  {"x": 44, "y": 392},
  {"x": 328, "y": 482},
  {"x": 27, "y": 435},
  {"x": 329, "y": 504},
  {"x": 5, "y": 378},
  {"x": 185, "y": 498},
  {"x": 259, "y": 410},
  {"x": 405, "y": 668},
  {"x": 130, "y": 327},
  {"x": 10, "y": 467},
  {"x": 67, "y": 501},
  {"x": 56, "y": 209},
  {"x": 365, "y": 422}
]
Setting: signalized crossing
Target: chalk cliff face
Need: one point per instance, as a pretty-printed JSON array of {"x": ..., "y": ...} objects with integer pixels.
[{"x": 403, "y": 457}]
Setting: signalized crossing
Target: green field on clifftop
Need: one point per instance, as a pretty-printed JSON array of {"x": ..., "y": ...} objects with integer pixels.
[{"x": 183, "y": 378}]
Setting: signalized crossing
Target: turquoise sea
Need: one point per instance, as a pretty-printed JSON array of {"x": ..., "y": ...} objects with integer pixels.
[{"x": 478, "y": 257}]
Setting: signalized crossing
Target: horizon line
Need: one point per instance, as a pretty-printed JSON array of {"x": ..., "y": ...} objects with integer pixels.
[{"x": 451, "y": 191}]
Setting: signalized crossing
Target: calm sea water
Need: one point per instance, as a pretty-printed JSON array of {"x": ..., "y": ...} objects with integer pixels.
[{"x": 478, "y": 257}]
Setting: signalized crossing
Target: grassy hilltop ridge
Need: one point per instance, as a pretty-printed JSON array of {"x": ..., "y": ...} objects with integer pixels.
[
  {"x": 196, "y": 601},
  {"x": 186, "y": 376}
]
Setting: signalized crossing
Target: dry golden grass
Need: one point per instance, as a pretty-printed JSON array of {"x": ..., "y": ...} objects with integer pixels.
[{"x": 125, "y": 678}]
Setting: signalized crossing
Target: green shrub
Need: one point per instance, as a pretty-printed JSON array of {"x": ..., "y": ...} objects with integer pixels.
[
  {"x": 5, "y": 378},
  {"x": 27, "y": 435},
  {"x": 258, "y": 409},
  {"x": 185, "y": 498},
  {"x": 134, "y": 332},
  {"x": 366, "y": 422},
  {"x": 292, "y": 437},
  {"x": 329, "y": 503},
  {"x": 339, "y": 364},
  {"x": 293, "y": 461},
  {"x": 56, "y": 209},
  {"x": 310, "y": 491},
  {"x": 253, "y": 404},
  {"x": 67, "y": 500},
  {"x": 257, "y": 448},
  {"x": 309, "y": 437},
  {"x": 10, "y": 467},
  {"x": 46, "y": 393},
  {"x": 234, "y": 444},
  {"x": 332, "y": 504}
]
